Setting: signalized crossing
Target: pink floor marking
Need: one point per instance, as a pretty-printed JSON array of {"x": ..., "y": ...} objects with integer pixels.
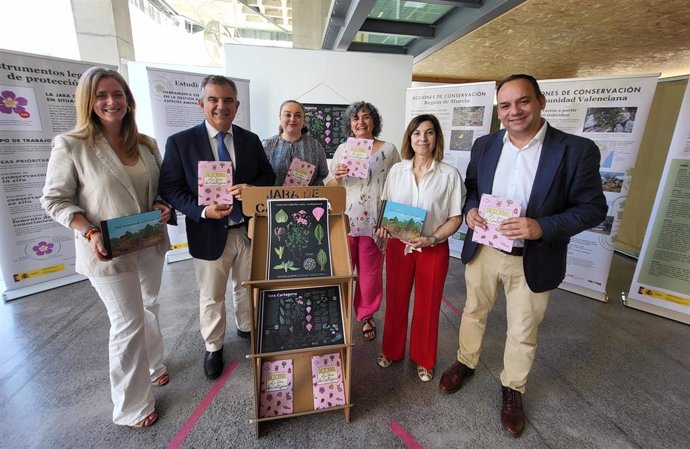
[
  {"x": 188, "y": 426},
  {"x": 404, "y": 436},
  {"x": 453, "y": 308}
]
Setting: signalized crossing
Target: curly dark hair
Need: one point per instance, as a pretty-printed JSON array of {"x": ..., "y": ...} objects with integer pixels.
[{"x": 352, "y": 111}]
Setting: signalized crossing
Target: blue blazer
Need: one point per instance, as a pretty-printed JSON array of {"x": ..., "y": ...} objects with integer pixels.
[
  {"x": 566, "y": 199},
  {"x": 178, "y": 182}
]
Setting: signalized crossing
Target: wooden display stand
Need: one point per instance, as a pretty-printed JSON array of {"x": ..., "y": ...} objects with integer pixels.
[{"x": 254, "y": 204}]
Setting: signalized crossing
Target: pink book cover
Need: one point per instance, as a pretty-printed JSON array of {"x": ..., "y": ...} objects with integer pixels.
[
  {"x": 495, "y": 209},
  {"x": 327, "y": 381},
  {"x": 215, "y": 181},
  {"x": 356, "y": 156},
  {"x": 299, "y": 173},
  {"x": 275, "y": 392}
]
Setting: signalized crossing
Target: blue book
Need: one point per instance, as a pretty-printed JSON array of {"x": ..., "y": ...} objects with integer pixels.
[
  {"x": 124, "y": 235},
  {"x": 402, "y": 221}
]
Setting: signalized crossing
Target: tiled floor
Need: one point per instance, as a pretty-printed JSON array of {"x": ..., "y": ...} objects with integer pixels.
[{"x": 605, "y": 376}]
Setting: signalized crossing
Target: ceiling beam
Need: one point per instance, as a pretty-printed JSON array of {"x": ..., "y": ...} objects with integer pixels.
[
  {"x": 398, "y": 28},
  {"x": 462, "y": 3},
  {"x": 459, "y": 23},
  {"x": 377, "y": 48},
  {"x": 345, "y": 20}
]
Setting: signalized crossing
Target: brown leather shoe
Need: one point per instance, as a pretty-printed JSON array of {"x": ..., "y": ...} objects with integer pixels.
[
  {"x": 512, "y": 415},
  {"x": 452, "y": 378}
]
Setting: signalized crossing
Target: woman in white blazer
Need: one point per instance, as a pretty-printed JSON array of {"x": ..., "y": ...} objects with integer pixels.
[{"x": 104, "y": 169}]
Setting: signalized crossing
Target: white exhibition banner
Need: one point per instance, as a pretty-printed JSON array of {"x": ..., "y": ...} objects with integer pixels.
[
  {"x": 36, "y": 103},
  {"x": 661, "y": 283},
  {"x": 174, "y": 99},
  {"x": 464, "y": 112},
  {"x": 613, "y": 113}
]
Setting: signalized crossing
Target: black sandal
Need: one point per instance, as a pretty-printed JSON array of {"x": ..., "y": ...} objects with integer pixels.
[{"x": 369, "y": 334}]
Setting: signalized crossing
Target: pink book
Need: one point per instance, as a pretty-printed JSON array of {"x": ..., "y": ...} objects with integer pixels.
[
  {"x": 356, "y": 156},
  {"x": 327, "y": 381},
  {"x": 299, "y": 173},
  {"x": 275, "y": 392},
  {"x": 215, "y": 182},
  {"x": 495, "y": 209}
]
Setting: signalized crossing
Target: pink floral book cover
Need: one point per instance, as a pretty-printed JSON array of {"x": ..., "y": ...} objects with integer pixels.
[
  {"x": 356, "y": 156},
  {"x": 327, "y": 381},
  {"x": 215, "y": 182},
  {"x": 275, "y": 392},
  {"x": 299, "y": 173},
  {"x": 495, "y": 209}
]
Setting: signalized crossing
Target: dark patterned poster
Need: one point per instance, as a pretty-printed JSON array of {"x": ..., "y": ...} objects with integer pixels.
[
  {"x": 323, "y": 121},
  {"x": 299, "y": 318},
  {"x": 298, "y": 239}
]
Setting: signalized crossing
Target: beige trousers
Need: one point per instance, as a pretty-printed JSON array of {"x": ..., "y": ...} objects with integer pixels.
[
  {"x": 524, "y": 312},
  {"x": 212, "y": 278}
]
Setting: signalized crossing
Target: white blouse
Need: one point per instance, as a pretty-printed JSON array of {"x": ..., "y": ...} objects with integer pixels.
[{"x": 440, "y": 192}]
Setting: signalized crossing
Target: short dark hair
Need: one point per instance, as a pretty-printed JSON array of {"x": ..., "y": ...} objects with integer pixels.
[
  {"x": 218, "y": 80},
  {"x": 407, "y": 152},
  {"x": 352, "y": 111},
  {"x": 522, "y": 76}
]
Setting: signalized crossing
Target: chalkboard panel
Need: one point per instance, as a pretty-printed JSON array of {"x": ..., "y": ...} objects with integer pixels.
[
  {"x": 323, "y": 122},
  {"x": 299, "y": 318}
]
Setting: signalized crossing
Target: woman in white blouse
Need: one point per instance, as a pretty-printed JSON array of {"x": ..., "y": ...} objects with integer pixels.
[
  {"x": 420, "y": 180},
  {"x": 363, "y": 121},
  {"x": 105, "y": 169}
]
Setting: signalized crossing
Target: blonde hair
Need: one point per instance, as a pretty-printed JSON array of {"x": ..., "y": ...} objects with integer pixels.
[
  {"x": 304, "y": 129},
  {"x": 89, "y": 126}
]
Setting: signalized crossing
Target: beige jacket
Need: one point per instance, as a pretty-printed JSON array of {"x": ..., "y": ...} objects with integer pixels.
[{"x": 90, "y": 179}]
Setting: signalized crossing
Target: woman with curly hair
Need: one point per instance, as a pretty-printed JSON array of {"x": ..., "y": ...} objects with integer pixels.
[{"x": 363, "y": 121}]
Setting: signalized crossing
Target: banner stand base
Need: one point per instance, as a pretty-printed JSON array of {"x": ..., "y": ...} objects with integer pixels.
[
  {"x": 43, "y": 286},
  {"x": 656, "y": 310},
  {"x": 599, "y": 296},
  {"x": 177, "y": 257}
]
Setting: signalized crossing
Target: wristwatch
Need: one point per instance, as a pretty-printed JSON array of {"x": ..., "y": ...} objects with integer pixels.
[{"x": 433, "y": 239}]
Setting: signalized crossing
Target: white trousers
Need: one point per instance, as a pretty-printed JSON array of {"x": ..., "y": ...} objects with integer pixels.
[
  {"x": 212, "y": 279},
  {"x": 136, "y": 344}
]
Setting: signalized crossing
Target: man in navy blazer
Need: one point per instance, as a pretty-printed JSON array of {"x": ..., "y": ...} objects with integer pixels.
[
  {"x": 556, "y": 178},
  {"x": 216, "y": 234}
]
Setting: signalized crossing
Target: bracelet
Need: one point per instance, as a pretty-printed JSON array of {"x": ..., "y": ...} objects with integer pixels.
[
  {"x": 89, "y": 231},
  {"x": 433, "y": 239}
]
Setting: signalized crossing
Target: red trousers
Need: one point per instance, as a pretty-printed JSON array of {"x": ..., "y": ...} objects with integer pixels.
[{"x": 427, "y": 270}]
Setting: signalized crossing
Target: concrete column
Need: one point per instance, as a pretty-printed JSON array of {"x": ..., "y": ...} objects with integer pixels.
[
  {"x": 104, "y": 32},
  {"x": 308, "y": 22}
]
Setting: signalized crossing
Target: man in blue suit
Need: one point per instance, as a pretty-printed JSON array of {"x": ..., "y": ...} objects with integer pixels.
[
  {"x": 556, "y": 178},
  {"x": 217, "y": 234}
]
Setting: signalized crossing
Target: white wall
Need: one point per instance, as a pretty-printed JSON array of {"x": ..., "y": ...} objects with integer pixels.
[{"x": 318, "y": 76}]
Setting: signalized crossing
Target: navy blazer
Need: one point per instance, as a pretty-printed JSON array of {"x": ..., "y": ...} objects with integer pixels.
[
  {"x": 179, "y": 175},
  {"x": 566, "y": 199}
]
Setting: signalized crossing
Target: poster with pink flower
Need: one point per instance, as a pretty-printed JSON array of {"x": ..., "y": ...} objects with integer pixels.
[
  {"x": 298, "y": 239},
  {"x": 214, "y": 182},
  {"x": 356, "y": 156},
  {"x": 18, "y": 110},
  {"x": 327, "y": 381},
  {"x": 275, "y": 391},
  {"x": 495, "y": 209},
  {"x": 300, "y": 173}
]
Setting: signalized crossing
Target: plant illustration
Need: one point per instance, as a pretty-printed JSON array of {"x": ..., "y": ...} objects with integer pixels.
[
  {"x": 322, "y": 258},
  {"x": 10, "y": 102},
  {"x": 286, "y": 265},
  {"x": 279, "y": 251},
  {"x": 318, "y": 233},
  {"x": 281, "y": 216}
]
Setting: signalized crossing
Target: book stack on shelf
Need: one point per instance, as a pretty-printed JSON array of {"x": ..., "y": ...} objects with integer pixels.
[{"x": 301, "y": 284}]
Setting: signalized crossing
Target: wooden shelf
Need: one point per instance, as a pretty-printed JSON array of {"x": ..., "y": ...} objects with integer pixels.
[{"x": 254, "y": 205}]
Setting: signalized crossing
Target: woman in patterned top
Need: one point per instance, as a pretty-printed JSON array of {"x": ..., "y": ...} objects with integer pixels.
[{"x": 363, "y": 121}]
